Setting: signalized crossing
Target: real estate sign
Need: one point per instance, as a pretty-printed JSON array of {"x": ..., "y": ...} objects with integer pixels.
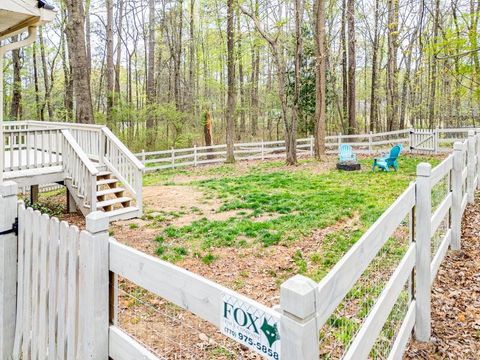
[{"x": 251, "y": 325}]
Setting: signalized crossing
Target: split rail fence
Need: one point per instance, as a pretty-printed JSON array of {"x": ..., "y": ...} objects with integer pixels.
[
  {"x": 65, "y": 303},
  {"x": 414, "y": 140}
]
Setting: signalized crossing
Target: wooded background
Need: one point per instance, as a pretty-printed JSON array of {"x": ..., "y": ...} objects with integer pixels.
[{"x": 177, "y": 73}]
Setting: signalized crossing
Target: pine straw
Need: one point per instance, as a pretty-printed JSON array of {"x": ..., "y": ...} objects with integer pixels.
[{"x": 456, "y": 299}]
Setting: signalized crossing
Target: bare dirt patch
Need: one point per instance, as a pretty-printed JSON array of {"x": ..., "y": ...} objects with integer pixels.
[
  {"x": 456, "y": 300},
  {"x": 177, "y": 198}
]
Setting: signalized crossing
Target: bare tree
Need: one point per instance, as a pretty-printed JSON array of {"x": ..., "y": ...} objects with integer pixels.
[
  {"x": 392, "y": 69},
  {"x": 278, "y": 55},
  {"x": 16, "y": 109},
  {"x": 352, "y": 122},
  {"x": 151, "y": 74},
  {"x": 231, "y": 82},
  {"x": 320, "y": 82},
  {"x": 110, "y": 68}
]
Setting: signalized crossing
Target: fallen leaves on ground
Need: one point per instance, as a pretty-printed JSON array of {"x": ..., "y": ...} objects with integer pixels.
[{"x": 456, "y": 300}]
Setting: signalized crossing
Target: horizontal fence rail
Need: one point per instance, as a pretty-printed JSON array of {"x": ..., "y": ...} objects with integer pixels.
[{"x": 413, "y": 140}]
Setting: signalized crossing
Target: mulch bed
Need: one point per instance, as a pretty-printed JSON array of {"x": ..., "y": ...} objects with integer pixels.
[{"x": 456, "y": 299}]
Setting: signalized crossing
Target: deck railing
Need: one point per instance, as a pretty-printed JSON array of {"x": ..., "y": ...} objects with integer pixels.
[
  {"x": 80, "y": 171},
  {"x": 123, "y": 164},
  {"x": 30, "y": 149},
  {"x": 38, "y": 144}
]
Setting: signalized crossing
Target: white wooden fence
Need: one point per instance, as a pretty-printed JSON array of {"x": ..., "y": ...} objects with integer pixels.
[
  {"x": 414, "y": 140},
  {"x": 65, "y": 308}
]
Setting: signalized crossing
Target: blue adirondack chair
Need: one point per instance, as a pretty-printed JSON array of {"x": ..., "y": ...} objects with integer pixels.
[
  {"x": 345, "y": 153},
  {"x": 389, "y": 160}
]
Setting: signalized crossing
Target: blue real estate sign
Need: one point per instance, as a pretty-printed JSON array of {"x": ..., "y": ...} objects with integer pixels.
[{"x": 251, "y": 325}]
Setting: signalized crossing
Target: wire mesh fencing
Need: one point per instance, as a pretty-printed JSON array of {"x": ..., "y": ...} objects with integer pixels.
[
  {"x": 341, "y": 328},
  {"x": 170, "y": 332}
]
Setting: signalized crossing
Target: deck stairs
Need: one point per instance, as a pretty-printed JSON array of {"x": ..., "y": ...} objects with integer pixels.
[
  {"x": 111, "y": 197},
  {"x": 98, "y": 170}
]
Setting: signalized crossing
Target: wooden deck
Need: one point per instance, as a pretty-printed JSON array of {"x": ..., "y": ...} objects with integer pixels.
[{"x": 81, "y": 157}]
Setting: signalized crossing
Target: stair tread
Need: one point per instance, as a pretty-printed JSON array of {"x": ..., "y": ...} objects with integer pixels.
[
  {"x": 107, "y": 181},
  {"x": 110, "y": 191},
  {"x": 109, "y": 202},
  {"x": 121, "y": 211},
  {"x": 104, "y": 173}
]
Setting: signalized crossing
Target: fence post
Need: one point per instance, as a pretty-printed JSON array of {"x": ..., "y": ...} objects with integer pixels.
[
  {"x": 477, "y": 152},
  {"x": 263, "y": 150},
  {"x": 173, "y": 158},
  {"x": 471, "y": 166},
  {"x": 8, "y": 268},
  {"x": 435, "y": 140},
  {"x": 312, "y": 153},
  {"x": 370, "y": 140},
  {"x": 456, "y": 216},
  {"x": 143, "y": 156},
  {"x": 410, "y": 139},
  {"x": 299, "y": 329},
  {"x": 477, "y": 168},
  {"x": 423, "y": 231},
  {"x": 94, "y": 288},
  {"x": 102, "y": 148},
  {"x": 194, "y": 155}
]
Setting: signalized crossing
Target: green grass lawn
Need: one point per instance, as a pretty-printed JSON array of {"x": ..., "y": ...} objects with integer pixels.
[
  {"x": 276, "y": 204},
  {"x": 272, "y": 206}
]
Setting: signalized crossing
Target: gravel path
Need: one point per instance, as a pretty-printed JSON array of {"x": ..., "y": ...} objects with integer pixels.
[{"x": 456, "y": 299}]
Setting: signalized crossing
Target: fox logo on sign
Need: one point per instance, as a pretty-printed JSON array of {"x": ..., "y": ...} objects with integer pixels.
[{"x": 252, "y": 325}]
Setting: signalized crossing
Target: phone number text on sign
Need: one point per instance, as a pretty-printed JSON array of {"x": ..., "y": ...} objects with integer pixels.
[{"x": 251, "y": 326}]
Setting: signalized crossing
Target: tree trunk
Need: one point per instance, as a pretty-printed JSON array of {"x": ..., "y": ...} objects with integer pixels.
[
  {"x": 255, "y": 80},
  {"x": 46, "y": 82},
  {"x": 231, "y": 82},
  {"x": 38, "y": 106},
  {"x": 392, "y": 72},
  {"x": 110, "y": 68},
  {"x": 191, "y": 63},
  {"x": 291, "y": 132},
  {"x": 15, "y": 109},
  {"x": 320, "y": 83},
  {"x": 343, "y": 41},
  {"x": 118, "y": 61},
  {"x": 78, "y": 58},
  {"x": 433, "y": 59},
  {"x": 208, "y": 130},
  {"x": 178, "y": 58},
  {"x": 151, "y": 76},
  {"x": 373, "y": 91},
  {"x": 352, "y": 123},
  {"x": 242, "y": 127}
]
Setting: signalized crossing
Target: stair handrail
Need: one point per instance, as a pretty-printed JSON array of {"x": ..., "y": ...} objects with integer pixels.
[
  {"x": 124, "y": 165},
  {"x": 80, "y": 169}
]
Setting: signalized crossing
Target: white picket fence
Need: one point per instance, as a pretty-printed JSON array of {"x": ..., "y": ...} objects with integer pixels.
[
  {"x": 65, "y": 291},
  {"x": 413, "y": 140}
]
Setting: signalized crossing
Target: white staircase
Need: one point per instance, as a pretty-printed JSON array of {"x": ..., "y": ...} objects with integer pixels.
[
  {"x": 110, "y": 181},
  {"x": 113, "y": 198}
]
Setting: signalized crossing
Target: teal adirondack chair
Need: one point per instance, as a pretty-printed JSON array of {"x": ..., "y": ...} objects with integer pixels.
[
  {"x": 345, "y": 153},
  {"x": 388, "y": 161}
]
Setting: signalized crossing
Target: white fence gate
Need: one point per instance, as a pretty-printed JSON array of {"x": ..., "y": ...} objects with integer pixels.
[{"x": 423, "y": 140}]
